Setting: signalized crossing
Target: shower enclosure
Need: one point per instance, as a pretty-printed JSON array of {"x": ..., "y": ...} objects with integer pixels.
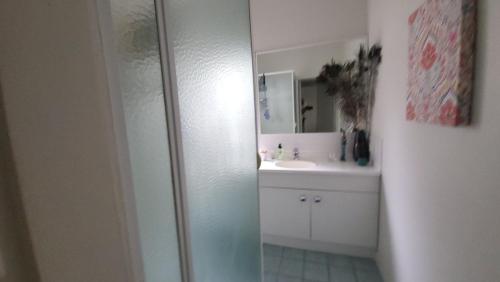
[{"x": 183, "y": 73}]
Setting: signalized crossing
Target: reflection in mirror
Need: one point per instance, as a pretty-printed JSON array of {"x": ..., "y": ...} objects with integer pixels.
[
  {"x": 318, "y": 112},
  {"x": 291, "y": 100},
  {"x": 277, "y": 102}
]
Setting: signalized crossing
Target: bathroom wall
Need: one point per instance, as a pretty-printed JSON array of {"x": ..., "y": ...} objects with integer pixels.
[
  {"x": 286, "y": 23},
  {"x": 307, "y": 62},
  {"x": 16, "y": 257},
  {"x": 441, "y": 186},
  {"x": 58, "y": 113},
  {"x": 278, "y": 24}
]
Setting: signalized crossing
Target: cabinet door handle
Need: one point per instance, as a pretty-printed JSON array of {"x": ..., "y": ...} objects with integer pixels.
[
  {"x": 317, "y": 199},
  {"x": 303, "y": 198}
]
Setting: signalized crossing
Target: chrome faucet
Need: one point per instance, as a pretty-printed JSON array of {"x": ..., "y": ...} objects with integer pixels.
[{"x": 296, "y": 155}]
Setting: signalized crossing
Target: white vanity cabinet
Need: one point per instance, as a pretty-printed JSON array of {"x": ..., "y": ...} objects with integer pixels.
[
  {"x": 335, "y": 212},
  {"x": 288, "y": 207},
  {"x": 347, "y": 218}
]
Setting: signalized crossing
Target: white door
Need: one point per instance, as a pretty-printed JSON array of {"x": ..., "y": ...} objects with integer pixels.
[
  {"x": 345, "y": 218},
  {"x": 285, "y": 212}
]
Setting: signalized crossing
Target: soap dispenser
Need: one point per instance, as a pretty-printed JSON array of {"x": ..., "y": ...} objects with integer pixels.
[{"x": 280, "y": 152}]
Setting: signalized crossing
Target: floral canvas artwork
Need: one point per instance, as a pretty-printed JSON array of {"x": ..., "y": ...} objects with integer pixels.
[{"x": 441, "y": 62}]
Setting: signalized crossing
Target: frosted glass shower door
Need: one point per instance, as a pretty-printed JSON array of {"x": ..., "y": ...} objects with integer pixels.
[
  {"x": 211, "y": 56},
  {"x": 135, "y": 33},
  {"x": 185, "y": 75}
]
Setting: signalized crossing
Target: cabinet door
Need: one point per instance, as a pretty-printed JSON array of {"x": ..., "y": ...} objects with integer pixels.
[
  {"x": 345, "y": 218},
  {"x": 285, "y": 212}
]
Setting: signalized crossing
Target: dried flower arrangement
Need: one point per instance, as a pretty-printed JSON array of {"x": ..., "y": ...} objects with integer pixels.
[{"x": 352, "y": 83}]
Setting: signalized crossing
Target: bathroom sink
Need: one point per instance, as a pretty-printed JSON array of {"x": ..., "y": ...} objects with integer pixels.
[{"x": 295, "y": 164}]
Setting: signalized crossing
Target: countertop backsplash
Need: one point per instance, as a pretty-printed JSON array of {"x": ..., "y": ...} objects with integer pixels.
[{"x": 315, "y": 146}]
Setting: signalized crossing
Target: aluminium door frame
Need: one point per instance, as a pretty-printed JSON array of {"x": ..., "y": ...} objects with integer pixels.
[{"x": 172, "y": 110}]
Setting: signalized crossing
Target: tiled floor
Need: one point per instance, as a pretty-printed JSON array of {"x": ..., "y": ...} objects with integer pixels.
[{"x": 283, "y": 264}]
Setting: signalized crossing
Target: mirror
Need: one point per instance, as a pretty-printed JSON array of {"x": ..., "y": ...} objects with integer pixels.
[{"x": 290, "y": 99}]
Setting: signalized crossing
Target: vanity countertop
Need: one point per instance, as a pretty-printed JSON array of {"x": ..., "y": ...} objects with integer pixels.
[{"x": 322, "y": 167}]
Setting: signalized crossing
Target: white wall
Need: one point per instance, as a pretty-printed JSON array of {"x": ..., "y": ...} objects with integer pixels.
[
  {"x": 441, "y": 186},
  {"x": 59, "y": 119},
  {"x": 287, "y": 23}
]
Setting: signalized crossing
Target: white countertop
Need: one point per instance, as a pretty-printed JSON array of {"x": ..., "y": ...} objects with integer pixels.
[{"x": 322, "y": 167}]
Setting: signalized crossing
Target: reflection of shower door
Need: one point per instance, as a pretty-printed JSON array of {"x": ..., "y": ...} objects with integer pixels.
[
  {"x": 185, "y": 78},
  {"x": 280, "y": 104}
]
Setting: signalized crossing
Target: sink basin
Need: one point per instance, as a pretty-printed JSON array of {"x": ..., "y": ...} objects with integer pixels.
[{"x": 295, "y": 164}]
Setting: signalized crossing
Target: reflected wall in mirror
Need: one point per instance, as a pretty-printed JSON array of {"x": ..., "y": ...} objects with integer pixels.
[{"x": 290, "y": 98}]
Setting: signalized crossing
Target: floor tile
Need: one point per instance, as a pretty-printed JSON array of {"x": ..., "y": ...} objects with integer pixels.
[
  {"x": 285, "y": 278},
  {"x": 316, "y": 257},
  {"x": 341, "y": 261},
  {"x": 365, "y": 264},
  {"x": 291, "y": 253},
  {"x": 368, "y": 276},
  {"x": 291, "y": 267},
  {"x": 272, "y": 250},
  {"x": 316, "y": 272},
  {"x": 270, "y": 277},
  {"x": 283, "y": 264},
  {"x": 272, "y": 264},
  {"x": 342, "y": 275}
]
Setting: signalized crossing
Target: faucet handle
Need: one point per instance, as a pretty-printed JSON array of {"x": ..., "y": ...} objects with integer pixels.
[{"x": 295, "y": 153}]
